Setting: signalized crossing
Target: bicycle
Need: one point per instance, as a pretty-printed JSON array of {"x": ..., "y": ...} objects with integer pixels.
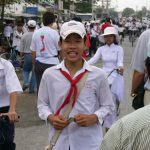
[
  {"x": 121, "y": 35},
  {"x": 132, "y": 37}
]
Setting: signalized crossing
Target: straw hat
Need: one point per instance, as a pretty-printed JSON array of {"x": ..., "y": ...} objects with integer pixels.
[{"x": 109, "y": 31}]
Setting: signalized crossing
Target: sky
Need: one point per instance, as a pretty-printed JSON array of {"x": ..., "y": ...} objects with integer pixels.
[{"x": 135, "y": 4}]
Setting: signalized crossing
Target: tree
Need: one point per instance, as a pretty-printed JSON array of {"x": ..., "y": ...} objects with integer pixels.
[
  {"x": 144, "y": 11},
  {"x": 4, "y": 3},
  {"x": 139, "y": 14},
  {"x": 113, "y": 13},
  {"x": 127, "y": 12},
  {"x": 83, "y": 7}
]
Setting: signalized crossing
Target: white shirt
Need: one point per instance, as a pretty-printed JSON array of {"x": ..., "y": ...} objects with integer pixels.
[
  {"x": 16, "y": 39},
  {"x": 8, "y": 82},
  {"x": 140, "y": 53},
  {"x": 93, "y": 33},
  {"x": 8, "y": 31},
  {"x": 95, "y": 98},
  {"x": 46, "y": 48},
  {"x": 131, "y": 132},
  {"x": 121, "y": 29},
  {"x": 116, "y": 27},
  {"x": 112, "y": 58}
]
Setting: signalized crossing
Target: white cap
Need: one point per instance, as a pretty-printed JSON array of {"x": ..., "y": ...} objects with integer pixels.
[
  {"x": 109, "y": 31},
  {"x": 31, "y": 23},
  {"x": 72, "y": 27}
]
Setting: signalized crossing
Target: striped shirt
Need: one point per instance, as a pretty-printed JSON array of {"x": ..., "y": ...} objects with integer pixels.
[{"x": 132, "y": 132}]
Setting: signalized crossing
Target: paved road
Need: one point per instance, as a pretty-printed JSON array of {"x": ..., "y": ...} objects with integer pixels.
[{"x": 31, "y": 132}]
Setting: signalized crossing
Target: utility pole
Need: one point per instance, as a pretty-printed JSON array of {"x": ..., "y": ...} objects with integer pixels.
[
  {"x": 107, "y": 7},
  {"x": 92, "y": 9}
]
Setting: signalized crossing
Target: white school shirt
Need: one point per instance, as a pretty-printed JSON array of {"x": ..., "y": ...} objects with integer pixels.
[
  {"x": 16, "y": 39},
  {"x": 49, "y": 45},
  {"x": 95, "y": 98},
  {"x": 93, "y": 33},
  {"x": 112, "y": 58},
  {"x": 8, "y": 82}
]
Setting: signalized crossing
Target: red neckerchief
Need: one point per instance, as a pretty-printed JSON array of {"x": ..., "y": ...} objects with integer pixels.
[{"x": 73, "y": 89}]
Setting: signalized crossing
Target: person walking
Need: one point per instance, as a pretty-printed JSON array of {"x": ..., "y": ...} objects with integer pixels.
[
  {"x": 25, "y": 53},
  {"x": 111, "y": 55},
  {"x": 60, "y": 103},
  {"x": 18, "y": 33},
  {"x": 138, "y": 61},
  {"x": 9, "y": 88},
  {"x": 44, "y": 46}
]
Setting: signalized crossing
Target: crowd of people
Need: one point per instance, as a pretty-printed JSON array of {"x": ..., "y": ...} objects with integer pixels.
[{"x": 76, "y": 98}]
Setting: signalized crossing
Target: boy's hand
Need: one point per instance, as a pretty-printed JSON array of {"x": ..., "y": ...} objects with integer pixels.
[
  {"x": 86, "y": 120},
  {"x": 59, "y": 122},
  {"x": 121, "y": 70},
  {"x": 12, "y": 115}
]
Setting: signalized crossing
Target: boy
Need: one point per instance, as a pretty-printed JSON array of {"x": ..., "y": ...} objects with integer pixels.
[
  {"x": 92, "y": 105},
  {"x": 9, "y": 86}
]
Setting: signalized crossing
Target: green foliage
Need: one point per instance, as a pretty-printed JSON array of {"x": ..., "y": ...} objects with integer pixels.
[
  {"x": 113, "y": 13},
  {"x": 8, "y": 2},
  {"x": 127, "y": 12},
  {"x": 83, "y": 7}
]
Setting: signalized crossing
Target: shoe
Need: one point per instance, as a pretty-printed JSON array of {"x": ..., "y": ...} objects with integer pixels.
[{"x": 25, "y": 87}]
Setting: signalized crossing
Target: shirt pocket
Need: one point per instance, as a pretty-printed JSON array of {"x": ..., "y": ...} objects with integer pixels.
[{"x": 88, "y": 96}]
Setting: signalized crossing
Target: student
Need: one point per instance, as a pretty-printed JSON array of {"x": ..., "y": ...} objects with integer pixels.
[
  {"x": 44, "y": 46},
  {"x": 92, "y": 105},
  {"x": 9, "y": 86},
  {"x": 18, "y": 33},
  {"x": 25, "y": 53},
  {"x": 111, "y": 55}
]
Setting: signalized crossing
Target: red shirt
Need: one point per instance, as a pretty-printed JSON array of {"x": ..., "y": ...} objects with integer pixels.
[
  {"x": 105, "y": 25},
  {"x": 88, "y": 43}
]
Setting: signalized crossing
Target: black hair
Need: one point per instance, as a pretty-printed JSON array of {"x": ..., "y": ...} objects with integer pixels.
[
  {"x": 48, "y": 18},
  {"x": 31, "y": 28},
  {"x": 91, "y": 26},
  {"x": 19, "y": 23},
  {"x": 147, "y": 64},
  {"x": 108, "y": 20},
  {"x": 77, "y": 19},
  {"x": 60, "y": 40},
  {"x": 113, "y": 21}
]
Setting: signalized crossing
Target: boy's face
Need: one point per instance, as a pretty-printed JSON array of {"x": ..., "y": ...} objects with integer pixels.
[
  {"x": 20, "y": 28},
  {"x": 73, "y": 47}
]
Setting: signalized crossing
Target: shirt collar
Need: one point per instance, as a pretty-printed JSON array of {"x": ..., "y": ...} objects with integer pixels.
[
  {"x": 86, "y": 66},
  {"x": 110, "y": 45}
]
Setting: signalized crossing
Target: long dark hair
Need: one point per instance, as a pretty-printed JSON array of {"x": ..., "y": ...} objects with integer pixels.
[{"x": 147, "y": 64}]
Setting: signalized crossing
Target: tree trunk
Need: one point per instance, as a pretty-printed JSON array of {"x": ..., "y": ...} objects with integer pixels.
[
  {"x": 2, "y": 16},
  {"x": 3, "y": 9}
]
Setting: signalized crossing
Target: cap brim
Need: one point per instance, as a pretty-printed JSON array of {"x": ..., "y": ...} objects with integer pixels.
[{"x": 67, "y": 33}]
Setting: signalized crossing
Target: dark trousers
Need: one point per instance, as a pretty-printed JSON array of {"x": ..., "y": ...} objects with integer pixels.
[
  {"x": 93, "y": 47},
  {"x": 39, "y": 70},
  {"x": 7, "y": 133}
]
